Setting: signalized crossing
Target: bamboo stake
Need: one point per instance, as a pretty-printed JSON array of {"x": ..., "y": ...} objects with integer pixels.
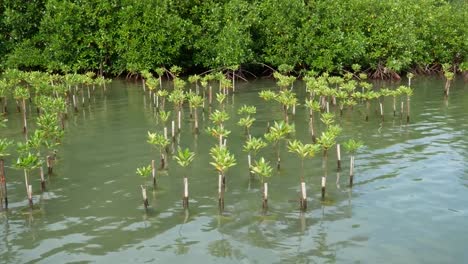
[
  {"x": 351, "y": 171},
  {"x": 338, "y": 154},
  {"x": 185, "y": 201},
  {"x": 145, "y": 197},
  {"x": 303, "y": 200},
  {"x": 153, "y": 172},
  {"x": 43, "y": 183}
]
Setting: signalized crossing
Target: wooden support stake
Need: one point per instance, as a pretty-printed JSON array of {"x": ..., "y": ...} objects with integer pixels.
[{"x": 338, "y": 155}]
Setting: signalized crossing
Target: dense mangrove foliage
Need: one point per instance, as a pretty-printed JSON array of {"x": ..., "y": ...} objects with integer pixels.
[{"x": 125, "y": 37}]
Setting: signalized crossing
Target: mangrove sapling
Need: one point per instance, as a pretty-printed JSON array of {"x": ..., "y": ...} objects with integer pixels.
[
  {"x": 195, "y": 101},
  {"x": 263, "y": 169},
  {"x": 161, "y": 93},
  {"x": 408, "y": 92},
  {"x": 352, "y": 147},
  {"x": 160, "y": 71},
  {"x": 313, "y": 106},
  {"x": 252, "y": 146},
  {"x": 326, "y": 141},
  {"x": 4, "y": 145},
  {"x": 303, "y": 151},
  {"x": 221, "y": 98},
  {"x": 218, "y": 132},
  {"x": 184, "y": 158},
  {"x": 448, "y": 77},
  {"x": 384, "y": 92},
  {"x": 27, "y": 162},
  {"x": 160, "y": 142},
  {"x": 22, "y": 93},
  {"x": 222, "y": 161},
  {"x": 278, "y": 132},
  {"x": 246, "y": 121},
  {"x": 267, "y": 95},
  {"x": 144, "y": 172},
  {"x": 146, "y": 75},
  {"x": 410, "y": 77},
  {"x": 177, "y": 97},
  {"x": 195, "y": 79},
  {"x": 164, "y": 116}
]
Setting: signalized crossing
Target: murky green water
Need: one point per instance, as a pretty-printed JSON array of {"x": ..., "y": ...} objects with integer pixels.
[{"x": 408, "y": 205}]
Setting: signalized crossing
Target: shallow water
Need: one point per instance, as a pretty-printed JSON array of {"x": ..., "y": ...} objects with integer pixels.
[{"x": 408, "y": 204}]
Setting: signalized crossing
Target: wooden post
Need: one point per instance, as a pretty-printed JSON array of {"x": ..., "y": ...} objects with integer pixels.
[
  {"x": 185, "y": 200},
  {"x": 30, "y": 195},
  {"x": 324, "y": 182},
  {"x": 179, "y": 117},
  {"x": 165, "y": 132},
  {"x": 249, "y": 160},
  {"x": 220, "y": 192},
  {"x": 43, "y": 184},
  {"x": 210, "y": 95},
  {"x": 351, "y": 170},
  {"x": 74, "y": 103},
  {"x": 153, "y": 172},
  {"x": 145, "y": 198},
  {"x": 173, "y": 130},
  {"x": 303, "y": 200},
  {"x": 278, "y": 163},
  {"x": 381, "y": 111},
  {"x": 338, "y": 155},
  {"x": 49, "y": 165},
  {"x": 265, "y": 195}
]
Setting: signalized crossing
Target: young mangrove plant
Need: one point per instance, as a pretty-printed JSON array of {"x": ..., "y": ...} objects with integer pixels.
[
  {"x": 218, "y": 132},
  {"x": 22, "y": 94},
  {"x": 27, "y": 162},
  {"x": 144, "y": 172},
  {"x": 195, "y": 101},
  {"x": 303, "y": 151},
  {"x": 246, "y": 121},
  {"x": 313, "y": 106},
  {"x": 252, "y": 146},
  {"x": 448, "y": 77},
  {"x": 263, "y": 169},
  {"x": 160, "y": 142},
  {"x": 4, "y": 145},
  {"x": 352, "y": 147},
  {"x": 278, "y": 132},
  {"x": 408, "y": 92},
  {"x": 184, "y": 158},
  {"x": 222, "y": 161}
]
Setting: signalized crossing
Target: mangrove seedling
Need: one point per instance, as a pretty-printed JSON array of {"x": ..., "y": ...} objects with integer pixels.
[
  {"x": 278, "y": 132},
  {"x": 252, "y": 146},
  {"x": 184, "y": 158},
  {"x": 144, "y": 172},
  {"x": 448, "y": 77},
  {"x": 222, "y": 161},
  {"x": 195, "y": 101},
  {"x": 352, "y": 147},
  {"x": 28, "y": 162},
  {"x": 303, "y": 151},
  {"x": 160, "y": 142},
  {"x": 22, "y": 93},
  {"x": 263, "y": 169}
]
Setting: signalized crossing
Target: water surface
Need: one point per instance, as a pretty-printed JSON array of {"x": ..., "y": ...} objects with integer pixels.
[{"x": 408, "y": 205}]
